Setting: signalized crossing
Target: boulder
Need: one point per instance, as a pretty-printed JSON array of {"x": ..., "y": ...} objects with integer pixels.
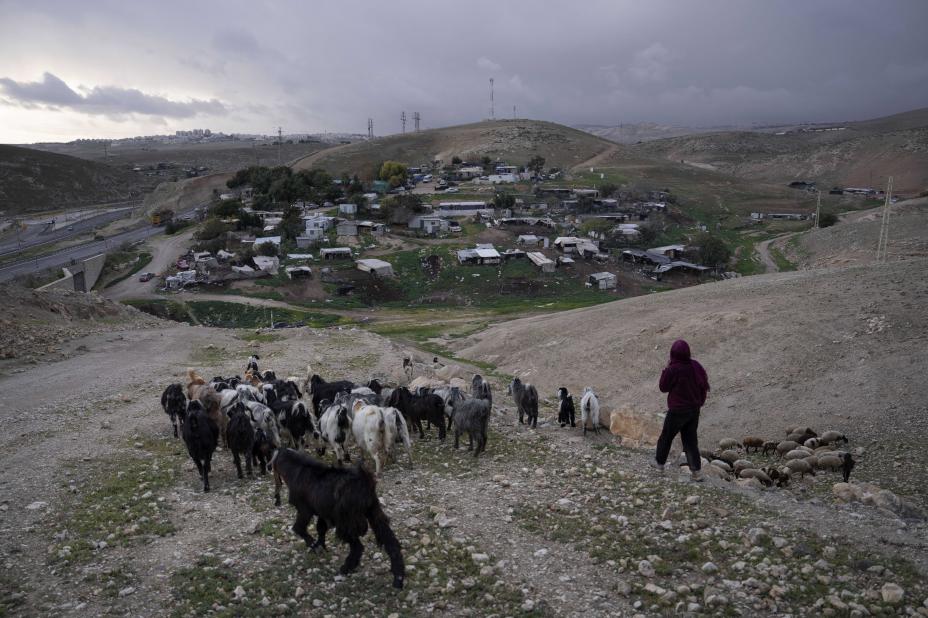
[{"x": 636, "y": 427}]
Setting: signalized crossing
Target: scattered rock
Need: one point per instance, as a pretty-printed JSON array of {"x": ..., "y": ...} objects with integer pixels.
[
  {"x": 35, "y": 506},
  {"x": 709, "y": 567},
  {"x": 646, "y": 568},
  {"x": 126, "y": 591},
  {"x": 892, "y": 593}
]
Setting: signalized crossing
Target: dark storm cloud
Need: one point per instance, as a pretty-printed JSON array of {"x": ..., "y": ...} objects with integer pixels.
[
  {"x": 52, "y": 92},
  {"x": 331, "y": 65}
]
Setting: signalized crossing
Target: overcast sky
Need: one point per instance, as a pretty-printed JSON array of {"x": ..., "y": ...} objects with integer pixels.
[{"x": 97, "y": 68}]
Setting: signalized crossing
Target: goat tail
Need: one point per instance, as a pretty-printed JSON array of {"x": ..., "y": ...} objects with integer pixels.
[{"x": 380, "y": 524}]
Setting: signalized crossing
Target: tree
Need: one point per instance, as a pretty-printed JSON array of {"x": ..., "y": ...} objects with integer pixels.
[
  {"x": 211, "y": 228},
  {"x": 504, "y": 200},
  {"x": 267, "y": 249},
  {"x": 399, "y": 208},
  {"x": 394, "y": 173},
  {"x": 596, "y": 225},
  {"x": 229, "y": 208},
  {"x": 712, "y": 250},
  {"x": 827, "y": 219},
  {"x": 456, "y": 160},
  {"x": 536, "y": 164},
  {"x": 606, "y": 189},
  {"x": 291, "y": 224}
]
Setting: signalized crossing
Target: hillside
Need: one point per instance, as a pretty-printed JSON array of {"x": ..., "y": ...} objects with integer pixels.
[
  {"x": 855, "y": 238},
  {"x": 33, "y": 180},
  {"x": 863, "y": 154},
  {"x": 643, "y": 131},
  {"x": 513, "y": 141},
  {"x": 826, "y": 348}
]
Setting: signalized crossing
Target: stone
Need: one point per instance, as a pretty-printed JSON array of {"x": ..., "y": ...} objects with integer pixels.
[
  {"x": 479, "y": 557},
  {"x": 757, "y": 536},
  {"x": 35, "y": 506},
  {"x": 892, "y": 593},
  {"x": 541, "y": 553},
  {"x": 709, "y": 567},
  {"x": 299, "y": 592},
  {"x": 646, "y": 568},
  {"x": 528, "y": 605},
  {"x": 126, "y": 591},
  {"x": 691, "y": 500}
]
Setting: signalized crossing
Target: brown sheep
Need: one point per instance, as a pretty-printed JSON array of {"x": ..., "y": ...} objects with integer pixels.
[{"x": 752, "y": 442}]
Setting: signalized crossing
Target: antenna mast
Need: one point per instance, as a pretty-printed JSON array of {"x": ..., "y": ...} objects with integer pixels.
[
  {"x": 883, "y": 244},
  {"x": 415, "y": 119},
  {"x": 492, "y": 111},
  {"x": 403, "y": 119},
  {"x": 280, "y": 143},
  {"x": 370, "y": 128}
]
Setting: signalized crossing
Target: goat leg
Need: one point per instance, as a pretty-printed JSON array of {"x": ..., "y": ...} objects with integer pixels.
[
  {"x": 238, "y": 464},
  {"x": 299, "y": 528},
  {"x": 321, "y": 528},
  {"x": 354, "y": 556}
]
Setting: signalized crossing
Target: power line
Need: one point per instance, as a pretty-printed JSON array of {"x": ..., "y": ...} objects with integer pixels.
[
  {"x": 883, "y": 244},
  {"x": 415, "y": 119}
]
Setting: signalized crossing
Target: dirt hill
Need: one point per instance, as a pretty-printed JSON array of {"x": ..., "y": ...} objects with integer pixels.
[
  {"x": 828, "y": 348},
  {"x": 854, "y": 239},
  {"x": 514, "y": 141},
  {"x": 861, "y": 154},
  {"x": 33, "y": 180}
]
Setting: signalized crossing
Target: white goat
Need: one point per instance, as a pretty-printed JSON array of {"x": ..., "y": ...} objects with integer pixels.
[
  {"x": 369, "y": 430},
  {"x": 262, "y": 417},
  {"x": 589, "y": 409},
  {"x": 334, "y": 429},
  {"x": 395, "y": 431}
]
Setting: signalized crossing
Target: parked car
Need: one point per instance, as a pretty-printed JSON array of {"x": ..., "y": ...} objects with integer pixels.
[
  {"x": 451, "y": 190},
  {"x": 146, "y": 277}
]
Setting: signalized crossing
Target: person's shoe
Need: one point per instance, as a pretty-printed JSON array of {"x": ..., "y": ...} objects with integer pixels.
[
  {"x": 697, "y": 476},
  {"x": 657, "y": 466}
]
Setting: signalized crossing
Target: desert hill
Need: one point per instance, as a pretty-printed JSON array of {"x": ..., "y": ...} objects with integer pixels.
[
  {"x": 832, "y": 348},
  {"x": 514, "y": 141},
  {"x": 859, "y": 154},
  {"x": 33, "y": 180}
]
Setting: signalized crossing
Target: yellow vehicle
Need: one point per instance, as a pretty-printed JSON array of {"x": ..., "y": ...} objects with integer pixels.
[{"x": 160, "y": 217}]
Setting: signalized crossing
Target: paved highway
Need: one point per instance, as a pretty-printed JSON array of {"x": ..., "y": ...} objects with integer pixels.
[
  {"x": 43, "y": 233},
  {"x": 64, "y": 257}
]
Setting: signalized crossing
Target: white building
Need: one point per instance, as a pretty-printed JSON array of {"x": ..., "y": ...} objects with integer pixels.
[{"x": 379, "y": 268}]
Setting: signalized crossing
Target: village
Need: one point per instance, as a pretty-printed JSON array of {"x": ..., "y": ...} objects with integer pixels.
[{"x": 432, "y": 234}]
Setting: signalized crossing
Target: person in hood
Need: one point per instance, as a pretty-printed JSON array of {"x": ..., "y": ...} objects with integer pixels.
[{"x": 687, "y": 385}]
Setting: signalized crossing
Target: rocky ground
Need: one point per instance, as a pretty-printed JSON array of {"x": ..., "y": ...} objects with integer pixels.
[{"x": 101, "y": 512}]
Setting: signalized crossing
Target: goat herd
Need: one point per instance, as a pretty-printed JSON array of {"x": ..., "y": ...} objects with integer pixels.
[{"x": 265, "y": 420}]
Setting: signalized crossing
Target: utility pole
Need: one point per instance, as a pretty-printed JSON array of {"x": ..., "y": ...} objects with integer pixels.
[
  {"x": 492, "y": 111},
  {"x": 513, "y": 112},
  {"x": 280, "y": 144},
  {"x": 370, "y": 128},
  {"x": 403, "y": 119},
  {"x": 415, "y": 119},
  {"x": 883, "y": 244},
  {"x": 818, "y": 210}
]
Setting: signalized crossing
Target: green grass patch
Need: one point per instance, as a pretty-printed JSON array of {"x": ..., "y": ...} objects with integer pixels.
[
  {"x": 258, "y": 337},
  {"x": 783, "y": 264},
  {"x": 120, "y": 504},
  {"x": 233, "y": 315}
]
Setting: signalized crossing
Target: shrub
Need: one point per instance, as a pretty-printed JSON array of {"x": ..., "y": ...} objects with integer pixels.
[{"x": 827, "y": 219}]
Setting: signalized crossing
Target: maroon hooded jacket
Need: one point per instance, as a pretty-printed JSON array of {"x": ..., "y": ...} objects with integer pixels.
[{"x": 684, "y": 380}]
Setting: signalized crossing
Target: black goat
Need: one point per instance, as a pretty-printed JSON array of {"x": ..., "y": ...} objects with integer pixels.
[
  {"x": 526, "y": 400},
  {"x": 321, "y": 390},
  {"x": 261, "y": 451},
  {"x": 375, "y": 385},
  {"x": 345, "y": 498},
  {"x": 416, "y": 408},
  {"x": 241, "y": 437},
  {"x": 847, "y": 465},
  {"x": 252, "y": 363},
  {"x": 472, "y": 416},
  {"x": 566, "y": 412},
  {"x": 480, "y": 389},
  {"x": 293, "y": 417},
  {"x": 174, "y": 402},
  {"x": 201, "y": 434}
]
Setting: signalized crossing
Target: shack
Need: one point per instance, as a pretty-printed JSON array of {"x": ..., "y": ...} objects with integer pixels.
[
  {"x": 335, "y": 253},
  {"x": 538, "y": 259},
  {"x": 377, "y": 268},
  {"x": 299, "y": 272},
  {"x": 602, "y": 281},
  {"x": 480, "y": 256},
  {"x": 346, "y": 228}
]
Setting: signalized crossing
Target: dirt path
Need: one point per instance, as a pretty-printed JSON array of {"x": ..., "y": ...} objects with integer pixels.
[
  {"x": 547, "y": 522},
  {"x": 763, "y": 251},
  {"x": 164, "y": 251},
  {"x": 597, "y": 159}
]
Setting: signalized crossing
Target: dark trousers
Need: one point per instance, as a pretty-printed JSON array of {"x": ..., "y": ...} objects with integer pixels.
[{"x": 684, "y": 422}]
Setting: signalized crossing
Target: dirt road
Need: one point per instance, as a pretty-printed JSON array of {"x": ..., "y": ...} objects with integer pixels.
[
  {"x": 164, "y": 251},
  {"x": 763, "y": 251}
]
